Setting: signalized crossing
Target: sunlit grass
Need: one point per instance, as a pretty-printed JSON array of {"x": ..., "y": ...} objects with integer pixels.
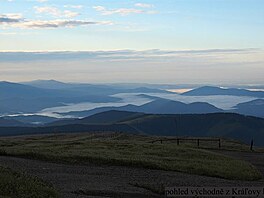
[{"x": 126, "y": 150}]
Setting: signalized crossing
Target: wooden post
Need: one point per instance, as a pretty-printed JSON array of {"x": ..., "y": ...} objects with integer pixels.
[
  {"x": 178, "y": 141},
  {"x": 251, "y": 145},
  {"x": 198, "y": 142},
  {"x": 176, "y": 127},
  {"x": 219, "y": 143},
  {"x": 161, "y": 141}
]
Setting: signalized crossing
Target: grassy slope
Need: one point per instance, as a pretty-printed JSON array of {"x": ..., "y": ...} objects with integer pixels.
[
  {"x": 13, "y": 184},
  {"x": 120, "y": 149}
]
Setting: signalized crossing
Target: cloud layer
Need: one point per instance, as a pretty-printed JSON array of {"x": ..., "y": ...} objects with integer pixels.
[
  {"x": 140, "y": 8},
  {"x": 17, "y": 21},
  {"x": 152, "y": 66},
  {"x": 10, "y": 18},
  {"x": 154, "y": 54},
  {"x": 55, "y": 12}
]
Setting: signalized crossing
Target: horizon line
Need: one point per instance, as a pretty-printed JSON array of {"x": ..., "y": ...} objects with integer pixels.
[{"x": 125, "y": 49}]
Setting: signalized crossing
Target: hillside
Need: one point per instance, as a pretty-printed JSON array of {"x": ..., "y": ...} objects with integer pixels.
[
  {"x": 9, "y": 90},
  {"x": 228, "y": 125},
  {"x": 253, "y": 108},
  {"x": 163, "y": 106},
  {"x": 104, "y": 118},
  {"x": 210, "y": 90}
]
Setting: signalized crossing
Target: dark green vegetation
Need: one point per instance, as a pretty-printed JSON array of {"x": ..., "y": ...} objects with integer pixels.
[
  {"x": 228, "y": 125},
  {"x": 14, "y": 184},
  {"x": 131, "y": 150}
]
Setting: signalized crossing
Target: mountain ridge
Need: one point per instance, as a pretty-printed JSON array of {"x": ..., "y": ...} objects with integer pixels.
[
  {"x": 229, "y": 125},
  {"x": 158, "y": 106},
  {"x": 212, "y": 90}
]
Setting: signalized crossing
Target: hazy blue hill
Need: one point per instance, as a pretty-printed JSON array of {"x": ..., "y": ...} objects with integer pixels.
[
  {"x": 37, "y": 95},
  {"x": 76, "y": 87},
  {"x": 163, "y": 106},
  {"x": 158, "y": 106},
  {"x": 16, "y": 98},
  {"x": 95, "y": 89},
  {"x": 8, "y": 90},
  {"x": 148, "y": 96},
  {"x": 48, "y": 84},
  {"x": 203, "y": 107},
  {"x": 253, "y": 108},
  {"x": 108, "y": 117},
  {"x": 31, "y": 105},
  {"x": 4, "y": 122},
  {"x": 209, "y": 90},
  {"x": 87, "y": 113},
  {"x": 145, "y": 90},
  {"x": 32, "y": 119},
  {"x": 26, "y": 105}
]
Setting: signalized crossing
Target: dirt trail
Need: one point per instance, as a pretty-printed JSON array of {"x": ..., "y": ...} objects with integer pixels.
[{"x": 117, "y": 181}]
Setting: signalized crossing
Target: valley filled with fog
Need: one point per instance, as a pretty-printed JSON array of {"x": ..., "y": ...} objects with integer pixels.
[
  {"x": 222, "y": 102},
  {"x": 50, "y": 99}
]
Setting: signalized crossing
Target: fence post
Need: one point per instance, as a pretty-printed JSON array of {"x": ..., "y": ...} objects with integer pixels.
[
  {"x": 251, "y": 145},
  {"x": 178, "y": 141},
  {"x": 198, "y": 142},
  {"x": 219, "y": 143}
]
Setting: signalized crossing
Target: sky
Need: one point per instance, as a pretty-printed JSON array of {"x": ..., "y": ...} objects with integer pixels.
[{"x": 168, "y": 41}]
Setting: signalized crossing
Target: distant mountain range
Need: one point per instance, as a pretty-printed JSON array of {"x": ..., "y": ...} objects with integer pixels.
[
  {"x": 37, "y": 95},
  {"x": 95, "y": 89},
  {"x": 158, "y": 117},
  {"x": 158, "y": 106},
  {"x": 228, "y": 125},
  {"x": 16, "y": 98},
  {"x": 32, "y": 97},
  {"x": 209, "y": 91},
  {"x": 164, "y": 106},
  {"x": 50, "y": 84}
]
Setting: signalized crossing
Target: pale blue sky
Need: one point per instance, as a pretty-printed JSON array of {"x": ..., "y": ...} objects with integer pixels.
[
  {"x": 181, "y": 26},
  {"x": 166, "y": 24}
]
